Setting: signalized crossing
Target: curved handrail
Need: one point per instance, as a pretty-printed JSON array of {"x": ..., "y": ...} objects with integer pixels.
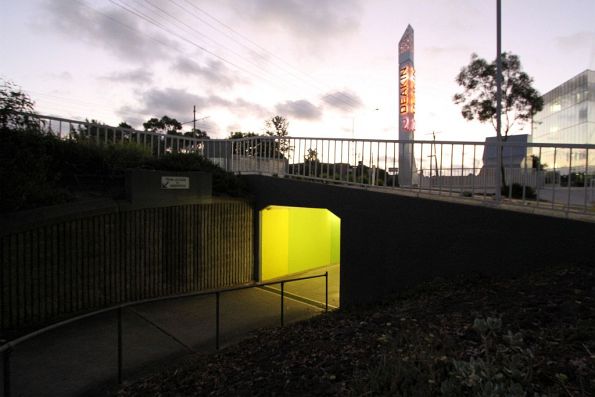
[{"x": 13, "y": 343}]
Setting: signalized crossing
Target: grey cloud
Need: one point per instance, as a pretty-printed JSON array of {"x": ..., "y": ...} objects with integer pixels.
[
  {"x": 135, "y": 76},
  {"x": 343, "y": 100},
  {"x": 446, "y": 50},
  {"x": 131, "y": 116},
  {"x": 178, "y": 103},
  {"x": 575, "y": 41},
  {"x": 246, "y": 107},
  {"x": 172, "y": 101},
  {"x": 214, "y": 72},
  {"x": 238, "y": 105},
  {"x": 579, "y": 41},
  {"x": 301, "y": 109},
  {"x": 322, "y": 19},
  {"x": 210, "y": 126},
  {"x": 105, "y": 28},
  {"x": 234, "y": 127},
  {"x": 64, "y": 76}
]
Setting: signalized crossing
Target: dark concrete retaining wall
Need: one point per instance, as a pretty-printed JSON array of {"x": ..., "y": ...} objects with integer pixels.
[{"x": 391, "y": 242}]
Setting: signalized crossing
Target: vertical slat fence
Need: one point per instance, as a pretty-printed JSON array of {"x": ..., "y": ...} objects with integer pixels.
[{"x": 55, "y": 271}]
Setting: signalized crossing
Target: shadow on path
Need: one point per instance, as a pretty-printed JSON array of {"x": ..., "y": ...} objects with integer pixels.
[{"x": 81, "y": 358}]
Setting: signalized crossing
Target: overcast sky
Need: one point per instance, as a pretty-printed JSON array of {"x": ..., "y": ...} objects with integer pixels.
[{"x": 328, "y": 66}]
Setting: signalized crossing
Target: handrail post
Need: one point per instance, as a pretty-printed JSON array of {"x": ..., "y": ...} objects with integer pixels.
[
  {"x": 6, "y": 371},
  {"x": 217, "y": 320},
  {"x": 282, "y": 303},
  {"x": 326, "y": 291},
  {"x": 120, "y": 345}
]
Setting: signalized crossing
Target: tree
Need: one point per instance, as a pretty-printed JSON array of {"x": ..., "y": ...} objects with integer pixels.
[
  {"x": 171, "y": 126},
  {"x": 153, "y": 125},
  {"x": 251, "y": 147},
  {"x": 311, "y": 163},
  {"x": 520, "y": 101},
  {"x": 164, "y": 125},
  {"x": 125, "y": 125},
  {"x": 240, "y": 135},
  {"x": 536, "y": 163},
  {"x": 17, "y": 110},
  {"x": 312, "y": 155},
  {"x": 277, "y": 127},
  {"x": 198, "y": 134}
]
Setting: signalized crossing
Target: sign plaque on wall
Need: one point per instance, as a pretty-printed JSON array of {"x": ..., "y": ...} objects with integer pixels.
[{"x": 175, "y": 182}]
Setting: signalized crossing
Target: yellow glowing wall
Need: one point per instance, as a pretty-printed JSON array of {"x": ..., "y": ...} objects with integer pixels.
[
  {"x": 296, "y": 239},
  {"x": 274, "y": 239}
]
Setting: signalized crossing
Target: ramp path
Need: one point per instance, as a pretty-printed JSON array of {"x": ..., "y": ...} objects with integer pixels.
[{"x": 81, "y": 358}]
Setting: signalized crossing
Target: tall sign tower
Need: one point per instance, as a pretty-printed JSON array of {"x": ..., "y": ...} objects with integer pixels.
[{"x": 407, "y": 168}]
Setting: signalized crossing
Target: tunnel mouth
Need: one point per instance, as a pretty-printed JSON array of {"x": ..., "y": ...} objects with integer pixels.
[{"x": 300, "y": 242}]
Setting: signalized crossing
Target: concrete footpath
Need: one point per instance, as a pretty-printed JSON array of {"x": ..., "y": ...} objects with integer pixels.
[{"x": 81, "y": 358}]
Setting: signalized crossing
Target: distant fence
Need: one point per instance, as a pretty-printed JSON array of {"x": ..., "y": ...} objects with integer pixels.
[
  {"x": 485, "y": 181},
  {"x": 54, "y": 271}
]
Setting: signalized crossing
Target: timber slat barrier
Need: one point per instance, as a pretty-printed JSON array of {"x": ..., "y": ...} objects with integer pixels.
[{"x": 55, "y": 271}]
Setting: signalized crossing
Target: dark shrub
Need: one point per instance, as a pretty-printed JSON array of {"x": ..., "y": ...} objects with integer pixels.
[
  {"x": 224, "y": 183},
  {"x": 517, "y": 192},
  {"x": 27, "y": 178},
  {"x": 40, "y": 169}
]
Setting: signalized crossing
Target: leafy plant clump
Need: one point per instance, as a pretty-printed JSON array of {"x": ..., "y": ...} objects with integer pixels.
[
  {"x": 502, "y": 368},
  {"x": 516, "y": 191},
  {"x": 418, "y": 364},
  {"x": 39, "y": 169},
  {"x": 28, "y": 175},
  {"x": 224, "y": 183}
]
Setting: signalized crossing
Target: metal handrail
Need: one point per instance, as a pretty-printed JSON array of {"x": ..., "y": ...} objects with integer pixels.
[
  {"x": 265, "y": 137},
  {"x": 7, "y": 348}
]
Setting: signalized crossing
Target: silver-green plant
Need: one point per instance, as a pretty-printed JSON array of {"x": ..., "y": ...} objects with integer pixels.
[{"x": 503, "y": 367}]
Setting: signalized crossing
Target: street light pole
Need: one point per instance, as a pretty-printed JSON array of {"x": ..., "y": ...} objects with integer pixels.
[
  {"x": 435, "y": 153},
  {"x": 498, "y": 97}
]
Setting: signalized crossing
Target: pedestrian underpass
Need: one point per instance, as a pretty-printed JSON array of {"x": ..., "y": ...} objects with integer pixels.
[{"x": 301, "y": 241}]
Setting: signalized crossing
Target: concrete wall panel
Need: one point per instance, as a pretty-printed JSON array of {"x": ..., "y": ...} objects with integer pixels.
[{"x": 391, "y": 242}]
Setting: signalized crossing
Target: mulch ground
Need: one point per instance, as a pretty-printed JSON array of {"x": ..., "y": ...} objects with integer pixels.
[{"x": 431, "y": 341}]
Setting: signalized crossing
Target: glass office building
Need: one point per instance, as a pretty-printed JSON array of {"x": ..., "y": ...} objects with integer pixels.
[{"x": 568, "y": 116}]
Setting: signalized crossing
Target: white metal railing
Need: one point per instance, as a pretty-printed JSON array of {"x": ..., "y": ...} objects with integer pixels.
[
  {"x": 441, "y": 168},
  {"x": 566, "y": 182}
]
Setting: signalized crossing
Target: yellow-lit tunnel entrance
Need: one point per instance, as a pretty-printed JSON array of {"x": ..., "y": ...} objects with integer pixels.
[{"x": 300, "y": 241}]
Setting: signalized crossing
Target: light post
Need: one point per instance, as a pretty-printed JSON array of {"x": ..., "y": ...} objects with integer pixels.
[
  {"x": 498, "y": 98},
  {"x": 434, "y": 153}
]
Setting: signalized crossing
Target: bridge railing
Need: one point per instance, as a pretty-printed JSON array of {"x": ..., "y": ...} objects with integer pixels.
[{"x": 558, "y": 177}]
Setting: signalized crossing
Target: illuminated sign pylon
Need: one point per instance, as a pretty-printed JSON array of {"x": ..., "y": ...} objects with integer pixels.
[
  {"x": 407, "y": 167},
  {"x": 407, "y": 97}
]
